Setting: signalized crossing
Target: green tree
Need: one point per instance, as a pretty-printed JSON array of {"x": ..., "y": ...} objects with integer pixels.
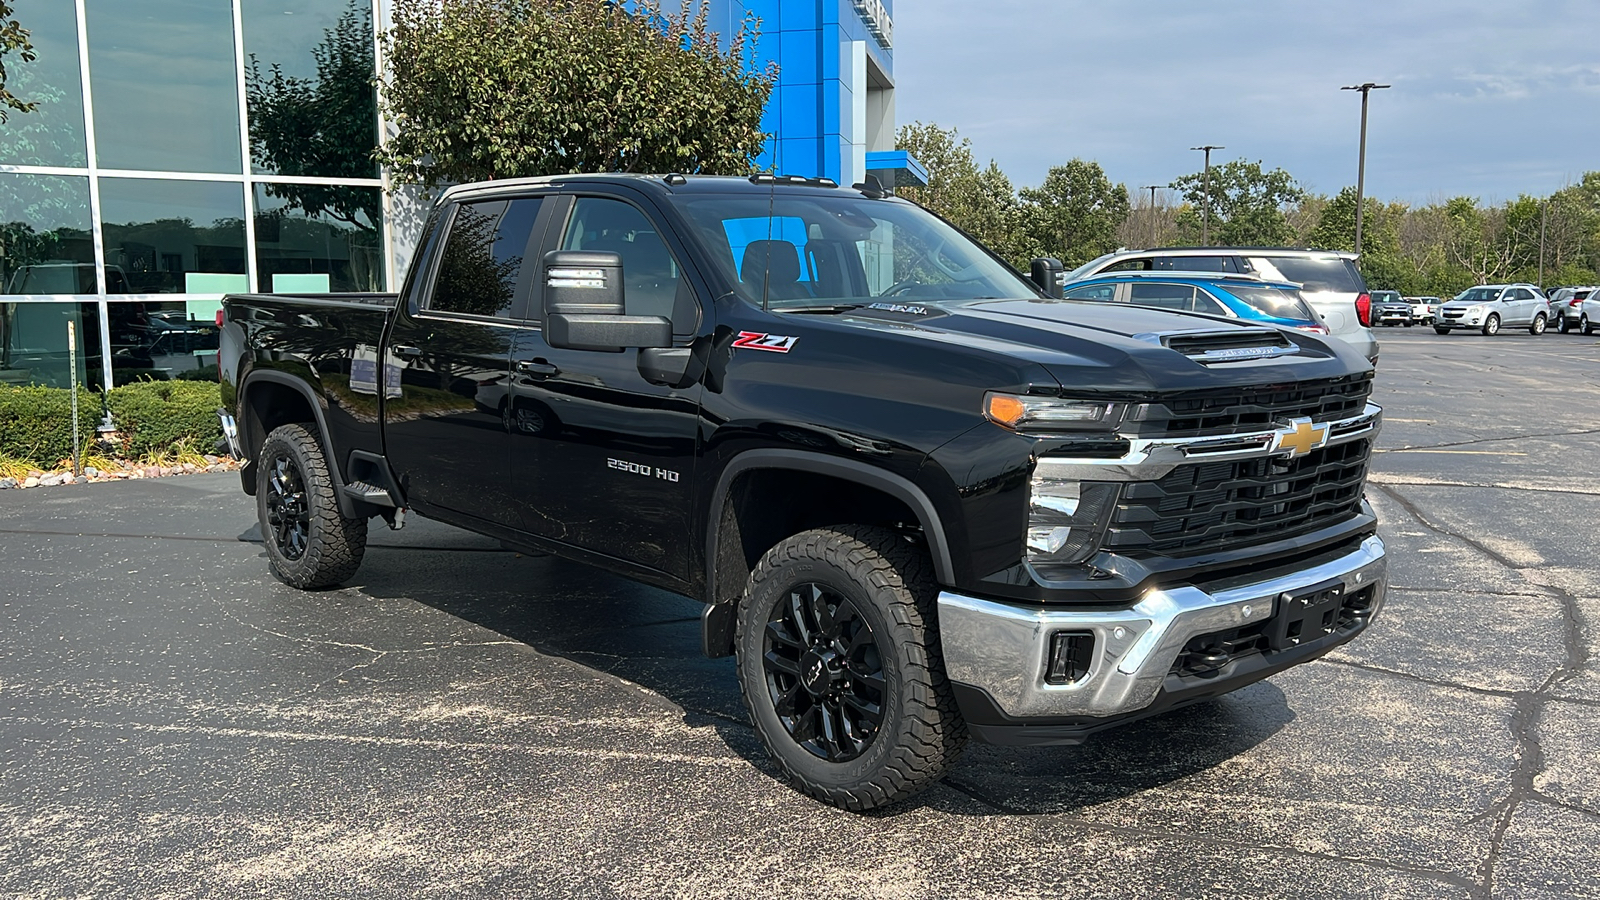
[
  {"x": 1247, "y": 205},
  {"x": 507, "y": 88},
  {"x": 981, "y": 202},
  {"x": 13, "y": 39},
  {"x": 1074, "y": 215},
  {"x": 325, "y": 126}
]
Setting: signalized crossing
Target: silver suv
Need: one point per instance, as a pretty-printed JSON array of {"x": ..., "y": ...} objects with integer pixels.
[
  {"x": 1566, "y": 307},
  {"x": 1328, "y": 278},
  {"x": 1489, "y": 306}
]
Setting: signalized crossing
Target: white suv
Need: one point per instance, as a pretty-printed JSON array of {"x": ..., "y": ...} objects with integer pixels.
[
  {"x": 1488, "y": 306},
  {"x": 1328, "y": 279}
]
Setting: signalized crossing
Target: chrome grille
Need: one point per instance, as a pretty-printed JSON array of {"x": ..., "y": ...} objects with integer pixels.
[{"x": 1208, "y": 506}]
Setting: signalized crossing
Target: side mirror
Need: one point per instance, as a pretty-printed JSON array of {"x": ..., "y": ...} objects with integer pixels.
[
  {"x": 584, "y": 305},
  {"x": 1049, "y": 274}
]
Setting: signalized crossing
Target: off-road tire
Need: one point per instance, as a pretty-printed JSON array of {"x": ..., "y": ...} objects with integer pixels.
[
  {"x": 1438, "y": 330},
  {"x": 1538, "y": 325},
  {"x": 329, "y": 546},
  {"x": 889, "y": 582},
  {"x": 1491, "y": 325}
]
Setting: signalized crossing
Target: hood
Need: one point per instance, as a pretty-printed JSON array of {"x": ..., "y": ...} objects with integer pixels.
[{"x": 1113, "y": 348}]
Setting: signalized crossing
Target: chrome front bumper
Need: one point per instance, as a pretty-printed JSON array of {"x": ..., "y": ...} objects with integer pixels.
[{"x": 1003, "y": 649}]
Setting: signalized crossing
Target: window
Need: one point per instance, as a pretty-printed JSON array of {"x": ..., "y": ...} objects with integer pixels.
[
  {"x": 651, "y": 277},
  {"x": 51, "y": 135},
  {"x": 1206, "y": 304},
  {"x": 34, "y": 349},
  {"x": 174, "y": 237},
  {"x": 308, "y": 87},
  {"x": 1315, "y": 274},
  {"x": 1178, "y": 297},
  {"x": 45, "y": 242},
  {"x": 483, "y": 255},
  {"x": 318, "y": 238},
  {"x": 1092, "y": 292},
  {"x": 166, "y": 95},
  {"x": 1194, "y": 264}
]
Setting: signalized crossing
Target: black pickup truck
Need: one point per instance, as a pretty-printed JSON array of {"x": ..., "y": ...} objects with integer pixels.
[{"x": 921, "y": 496}]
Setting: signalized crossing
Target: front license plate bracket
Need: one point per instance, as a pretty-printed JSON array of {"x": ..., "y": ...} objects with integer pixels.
[{"x": 1306, "y": 615}]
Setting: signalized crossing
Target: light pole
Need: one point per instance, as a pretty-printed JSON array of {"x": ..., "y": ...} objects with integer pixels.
[
  {"x": 1205, "y": 211},
  {"x": 1361, "y": 163},
  {"x": 1152, "y": 189}
]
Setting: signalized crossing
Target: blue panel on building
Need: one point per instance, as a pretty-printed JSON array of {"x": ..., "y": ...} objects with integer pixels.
[
  {"x": 799, "y": 115},
  {"x": 798, "y": 57}
]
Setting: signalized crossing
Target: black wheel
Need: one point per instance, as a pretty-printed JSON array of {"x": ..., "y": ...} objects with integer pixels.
[
  {"x": 1538, "y": 324},
  {"x": 840, "y": 667},
  {"x": 1583, "y": 323},
  {"x": 1409, "y": 324},
  {"x": 309, "y": 543},
  {"x": 1561, "y": 325},
  {"x": 1438, "y": 330},
  {"x": 1491, "y": 325}
]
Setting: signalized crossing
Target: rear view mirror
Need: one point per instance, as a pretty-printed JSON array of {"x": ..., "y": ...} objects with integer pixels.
[{"x": 585, "y": 309}]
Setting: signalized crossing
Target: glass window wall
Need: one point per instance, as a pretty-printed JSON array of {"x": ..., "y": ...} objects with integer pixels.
[
  {"x": 174, "y": 237},
  {"x": 318, "y": 238},
  {"x": 46, "y": 245},
  {"x": 309, "y": 87},
  {"x": 52, "y": 134},
  {"x": 165, "y": 85},
  {"x": 34, "y": 348}
]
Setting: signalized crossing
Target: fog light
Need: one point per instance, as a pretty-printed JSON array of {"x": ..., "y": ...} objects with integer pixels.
[
  {"x": 1065, "y": 516},
  {"x": 1071, "y": 656}
]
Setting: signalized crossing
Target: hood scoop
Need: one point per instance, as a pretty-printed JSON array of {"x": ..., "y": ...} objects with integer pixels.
[{"x": 1233, "y": 345}]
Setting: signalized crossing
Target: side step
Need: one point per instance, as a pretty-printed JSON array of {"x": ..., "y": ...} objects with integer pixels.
[{"x": 368, "y": 493}]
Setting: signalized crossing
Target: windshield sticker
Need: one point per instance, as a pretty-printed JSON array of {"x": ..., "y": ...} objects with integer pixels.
[{"x": 760, "y": 340}]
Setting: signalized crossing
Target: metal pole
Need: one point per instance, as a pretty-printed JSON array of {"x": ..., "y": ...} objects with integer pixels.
[
  {"x": 1152, "y": 214},
  {"x": 1542, "y": 218},
  {"x": 1205, "y": 211},
  {"x": 1361, "y": 162},
  {"x": 72, "y": 364}
]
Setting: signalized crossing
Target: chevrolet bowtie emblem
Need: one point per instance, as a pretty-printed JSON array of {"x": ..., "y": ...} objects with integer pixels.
[{"x": 1300, "y": 437}]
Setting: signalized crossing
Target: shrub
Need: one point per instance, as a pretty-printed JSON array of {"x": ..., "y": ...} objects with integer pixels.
[
  {"x": 36, "y": 423},
  {"x": 162, "y": 417}
]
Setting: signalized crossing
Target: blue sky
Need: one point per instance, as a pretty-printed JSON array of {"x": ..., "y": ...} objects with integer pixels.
[{"x": 1490, "y": 99}]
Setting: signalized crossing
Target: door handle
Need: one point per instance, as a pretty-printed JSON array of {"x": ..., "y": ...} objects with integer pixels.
[
  {"x": 537, "y": 367},
  {"x": 406, "y": 351}
]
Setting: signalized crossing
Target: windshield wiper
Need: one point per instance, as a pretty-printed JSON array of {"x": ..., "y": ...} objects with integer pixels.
[{"x": 819, "y": 308}]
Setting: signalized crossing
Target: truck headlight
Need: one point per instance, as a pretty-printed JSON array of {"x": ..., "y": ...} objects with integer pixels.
[
  {"x": 1028, "y": 413},
  {"x": 1066, "y": 517}
]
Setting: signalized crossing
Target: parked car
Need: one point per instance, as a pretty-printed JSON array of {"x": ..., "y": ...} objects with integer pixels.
[
  {"x": 1566, "y": 307},
  {"x": 922, "y": 501},
  {"x": 1487, "y": 307},
  {"x": 1423, "y": 309},
  {"x": 1588, "y": 313},
  {"x": 1232, "y": 296},
  {"x": 1390, "y": 309},
  {"x": 1328, "y": 279}
]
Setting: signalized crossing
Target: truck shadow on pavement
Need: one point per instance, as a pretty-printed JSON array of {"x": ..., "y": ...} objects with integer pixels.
[{"x": 652, "y": 638}]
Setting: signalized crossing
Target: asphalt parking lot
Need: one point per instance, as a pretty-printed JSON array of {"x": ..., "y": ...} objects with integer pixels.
[{"x": 465, "y": 721}]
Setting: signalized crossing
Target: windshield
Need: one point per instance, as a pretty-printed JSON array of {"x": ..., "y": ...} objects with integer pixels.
[
  {"x": 1478, "y": 294},
  {"x": 1275, "y": 302},
  {"x": 805, "y": 250}
]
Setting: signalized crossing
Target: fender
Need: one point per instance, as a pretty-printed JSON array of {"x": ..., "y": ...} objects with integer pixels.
[
  {"x": 717, "y": 619},
  {"x": 247, "y": 426}
]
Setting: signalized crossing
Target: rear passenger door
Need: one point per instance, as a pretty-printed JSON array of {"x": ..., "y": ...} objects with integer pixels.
[{"x": 444, "y": 424}]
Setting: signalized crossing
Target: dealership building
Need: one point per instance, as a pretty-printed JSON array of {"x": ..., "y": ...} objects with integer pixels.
[{"x": 181, "y": 150}]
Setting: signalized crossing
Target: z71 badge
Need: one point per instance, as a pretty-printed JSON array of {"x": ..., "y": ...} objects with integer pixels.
[{"x": 760, "y": 340}]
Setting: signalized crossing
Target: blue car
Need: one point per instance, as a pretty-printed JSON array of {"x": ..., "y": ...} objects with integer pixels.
[{"x": 1230, "y": 296}]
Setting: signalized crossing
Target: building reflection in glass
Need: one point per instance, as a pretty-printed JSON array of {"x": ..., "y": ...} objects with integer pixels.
[
  {"x": 45, "y": 242},
  {"x": 319, "y": 239}
]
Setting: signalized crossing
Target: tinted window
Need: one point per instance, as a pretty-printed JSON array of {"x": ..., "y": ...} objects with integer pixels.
[
  {"x": 1092, "y": 292},
  {"x": 1163, "y": 296},
  {"x": 166, "y": 88},
  {"x": 1315, "y": 274},
  {"x": 482, "y": 257},
  {"x": 174, "y": 237},
  {"x": 317, "y": 239},
  {"x": 46, "y": 245},
  {"x": 1479, "y": 294},
  {"x": 650, "y": 275},
  {"x": 51, "y": 135}
]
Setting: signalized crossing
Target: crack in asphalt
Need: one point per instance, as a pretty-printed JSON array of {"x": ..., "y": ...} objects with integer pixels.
[
  {"x": 1418, "y": 679},
  {"x": 1488, "y": 440},
  {"x": 1499, "y": 487},
  {"x": 977, "y": 796},
  {"x": 1529, "y": 705}
]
